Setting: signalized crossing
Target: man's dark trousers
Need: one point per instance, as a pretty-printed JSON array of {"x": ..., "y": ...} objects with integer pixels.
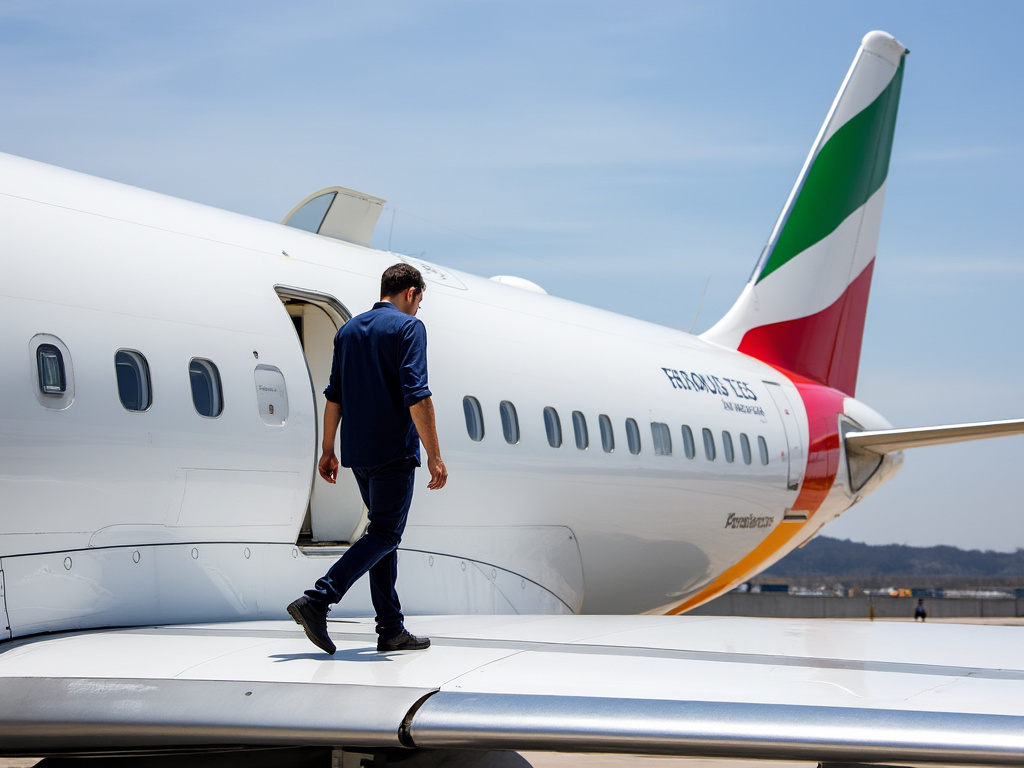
[{"x": 387, "y": 493}]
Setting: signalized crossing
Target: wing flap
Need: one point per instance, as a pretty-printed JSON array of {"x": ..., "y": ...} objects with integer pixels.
[
  {"x": 713, "y": 729},
  {"x": 103, "y": 714}
]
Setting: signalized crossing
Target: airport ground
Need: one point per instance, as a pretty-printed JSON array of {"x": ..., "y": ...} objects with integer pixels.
[
  {"x": 564, "y": 760},
  {"x": 782, "y": 605}
]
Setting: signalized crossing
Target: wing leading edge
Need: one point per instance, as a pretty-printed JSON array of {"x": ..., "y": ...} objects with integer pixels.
[{"x": 693, "y": 686}]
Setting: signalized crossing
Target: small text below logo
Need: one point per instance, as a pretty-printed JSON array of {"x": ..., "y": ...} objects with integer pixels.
[{"x": 749, "y": 521}]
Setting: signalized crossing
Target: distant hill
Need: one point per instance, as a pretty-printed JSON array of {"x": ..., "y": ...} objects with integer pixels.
[{"x": 828, "y": 561}]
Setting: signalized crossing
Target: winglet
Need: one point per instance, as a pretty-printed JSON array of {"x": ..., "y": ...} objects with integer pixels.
[{"x": 804, "y": 307}]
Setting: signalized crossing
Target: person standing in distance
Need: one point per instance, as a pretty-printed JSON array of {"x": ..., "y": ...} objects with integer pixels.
[{"x": 379, "y": 384}]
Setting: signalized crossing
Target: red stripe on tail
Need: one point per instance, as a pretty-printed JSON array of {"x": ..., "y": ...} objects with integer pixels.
[{"x": 824, "y": 347}]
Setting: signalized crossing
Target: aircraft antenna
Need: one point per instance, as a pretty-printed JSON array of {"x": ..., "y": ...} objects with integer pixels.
[{"x": 701, "y": 304}]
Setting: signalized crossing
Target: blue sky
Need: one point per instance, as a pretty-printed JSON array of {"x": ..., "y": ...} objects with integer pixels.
[{"x": 618, "y": 154}]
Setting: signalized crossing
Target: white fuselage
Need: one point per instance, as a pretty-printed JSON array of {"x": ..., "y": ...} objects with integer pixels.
[{"x": 115, "y": 516}]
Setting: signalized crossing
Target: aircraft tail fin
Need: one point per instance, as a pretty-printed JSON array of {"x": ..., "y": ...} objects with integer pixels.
[{"x": 804, "y": 307}]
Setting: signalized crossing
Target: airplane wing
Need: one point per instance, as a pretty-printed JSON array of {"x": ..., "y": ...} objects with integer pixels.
[
  {"x": 884, "y": 441},
  {"x": 693, "y": 686}
]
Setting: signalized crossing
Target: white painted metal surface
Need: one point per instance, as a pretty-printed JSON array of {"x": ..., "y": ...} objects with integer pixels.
[
  {"x": 642, "y": 684},
  {"x": 5, "y": 624},
  {"x": 168, "y": 477}
]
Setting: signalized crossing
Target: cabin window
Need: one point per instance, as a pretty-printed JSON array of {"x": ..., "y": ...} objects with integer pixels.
[
  {"x": 206, "y": 391},
  {"x": 633, "y": 436},
  {"x": 745, "y": 447},
  {"x": 474, "y": 418},
  {"x": 50, "y": 362},
  {"x": 762, "y": 447},
  {"x": 579, "y": 429},
  {"x": 689, "y": 448},
  {"x": 553, "y": 427},
  {"x": 727, "y": 449},
  {"x": 709, "y": 444},
  {"x": 662, "y": 438},
  {"x": 133, "y": 383},
  {"x": 509, "y": 422},
  {"x": 50, "y": 366},
  {"x": 607, "y": 435}
]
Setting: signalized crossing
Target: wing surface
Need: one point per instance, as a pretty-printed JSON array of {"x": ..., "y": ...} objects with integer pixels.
[{"x": 697, "y": 686}]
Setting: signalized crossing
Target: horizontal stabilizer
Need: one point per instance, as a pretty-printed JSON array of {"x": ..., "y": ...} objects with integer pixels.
[{"x": 884, "y": 441}]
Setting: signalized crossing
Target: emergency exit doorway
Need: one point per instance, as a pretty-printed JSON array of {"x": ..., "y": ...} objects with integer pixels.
[
  {"x": 795, "y": 449},
  {"x": 335, "y": 514}
]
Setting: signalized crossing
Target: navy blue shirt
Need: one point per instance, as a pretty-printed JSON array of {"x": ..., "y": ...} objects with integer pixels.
[{"x": 379, "y": 371}]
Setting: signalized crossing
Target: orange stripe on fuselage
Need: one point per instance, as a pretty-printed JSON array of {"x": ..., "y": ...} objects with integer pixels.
[{"x": 823, "y": 406}]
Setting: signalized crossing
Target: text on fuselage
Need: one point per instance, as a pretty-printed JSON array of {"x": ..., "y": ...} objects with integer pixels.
[
  {"x": 713, "y": 385},
  {"x": 749, "y": 521}
]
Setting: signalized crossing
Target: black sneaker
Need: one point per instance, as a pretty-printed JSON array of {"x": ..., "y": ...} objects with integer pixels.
[
  {"x": 313, "y": 623},
  {"x": 403, "y": 642}
]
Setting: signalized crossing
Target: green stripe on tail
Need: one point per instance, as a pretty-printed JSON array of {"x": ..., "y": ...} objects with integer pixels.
[{"x": 848, "y": 170}]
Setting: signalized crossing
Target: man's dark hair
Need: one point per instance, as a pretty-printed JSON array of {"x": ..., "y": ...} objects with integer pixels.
[{"x": 398, "y": 278}]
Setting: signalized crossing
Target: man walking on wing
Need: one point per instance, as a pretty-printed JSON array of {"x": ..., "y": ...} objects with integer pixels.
[{"x": 379, "y": 384}]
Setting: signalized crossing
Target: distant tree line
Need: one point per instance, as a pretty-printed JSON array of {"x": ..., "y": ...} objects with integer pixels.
[{"x": 828, "y": 561}]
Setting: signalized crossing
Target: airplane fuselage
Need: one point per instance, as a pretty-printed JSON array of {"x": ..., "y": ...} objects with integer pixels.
[{"x": 678, "y": 469}]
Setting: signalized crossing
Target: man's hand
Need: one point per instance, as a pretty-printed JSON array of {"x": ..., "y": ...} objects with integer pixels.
[
  {"x": 328, "y": 466},
  {"x": 423, "y": 417},
  {"x": 438, "y": 473}
]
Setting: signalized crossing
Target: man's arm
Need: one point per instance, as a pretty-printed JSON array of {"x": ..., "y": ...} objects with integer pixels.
[
  {"x": 423, "y": 417},
  {"x": 328, "y": 465}
]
